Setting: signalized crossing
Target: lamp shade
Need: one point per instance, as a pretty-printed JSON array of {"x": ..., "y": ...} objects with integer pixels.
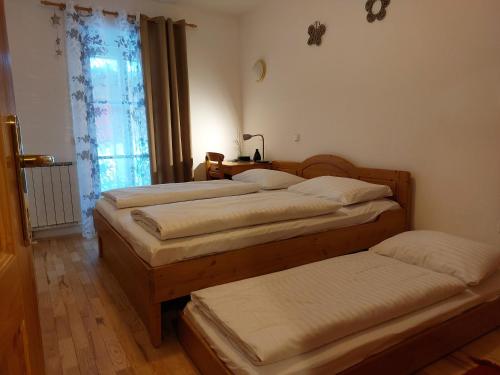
[{"x": 246, "y": 137}]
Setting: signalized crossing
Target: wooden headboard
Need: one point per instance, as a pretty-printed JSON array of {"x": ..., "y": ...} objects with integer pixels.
[{"x": 331, "y": 165}]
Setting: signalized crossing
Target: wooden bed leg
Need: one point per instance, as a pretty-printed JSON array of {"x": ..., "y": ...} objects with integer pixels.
[{"x": 154, "y": 324}]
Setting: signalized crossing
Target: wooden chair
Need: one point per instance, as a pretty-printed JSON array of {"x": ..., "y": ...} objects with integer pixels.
[{"x": 214, "y": 171}]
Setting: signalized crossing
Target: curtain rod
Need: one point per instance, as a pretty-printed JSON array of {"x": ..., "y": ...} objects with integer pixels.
[{"x": 62, "y": 6}]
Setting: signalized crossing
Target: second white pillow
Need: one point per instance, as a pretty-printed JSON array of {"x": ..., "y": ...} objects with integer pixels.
[
  {"x": 268, "y": 179},
  {"x": 468, "y": 260},
  {"x": 345, "y": 190}
]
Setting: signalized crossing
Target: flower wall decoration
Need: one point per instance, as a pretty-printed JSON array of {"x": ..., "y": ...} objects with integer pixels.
[{"x": 376, "y": 9}]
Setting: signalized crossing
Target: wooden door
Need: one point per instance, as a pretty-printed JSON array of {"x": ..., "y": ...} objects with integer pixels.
[{"x": 20, "y": 337}]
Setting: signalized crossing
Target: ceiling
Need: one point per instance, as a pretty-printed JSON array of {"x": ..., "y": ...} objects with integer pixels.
[{"x": 234, "y": 7}]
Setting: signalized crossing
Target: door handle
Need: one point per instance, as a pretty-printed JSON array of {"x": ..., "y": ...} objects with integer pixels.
[
  {"x": 24, "y": 161},
  {"x": 33, "y": 161}
]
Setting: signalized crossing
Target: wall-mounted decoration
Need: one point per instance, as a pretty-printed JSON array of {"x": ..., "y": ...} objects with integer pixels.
[
  {"x": 376, "y": 9},
  {"x": 259, "y": 69},
  {"x": 316, "y": 32},
  {"x": 55, "y": 20}
]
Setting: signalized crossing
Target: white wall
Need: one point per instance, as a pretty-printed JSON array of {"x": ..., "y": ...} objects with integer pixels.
[
  {"x": 419, "y": 91},
  {"x": 40, "y": 78}
]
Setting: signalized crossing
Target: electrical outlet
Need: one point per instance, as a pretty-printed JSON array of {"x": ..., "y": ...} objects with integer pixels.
[{"x": 296, "y": 138}]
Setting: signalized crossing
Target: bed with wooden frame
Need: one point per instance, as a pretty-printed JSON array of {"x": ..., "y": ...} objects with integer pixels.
[
  {"x": 405, "y": 357},
  {"x": 147, "y": 287}
]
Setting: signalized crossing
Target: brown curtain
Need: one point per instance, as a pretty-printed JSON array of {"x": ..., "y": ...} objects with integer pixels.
[{"x": 166, "y": 86}]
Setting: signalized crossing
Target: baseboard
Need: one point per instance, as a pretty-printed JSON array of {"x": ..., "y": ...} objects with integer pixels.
[{"x": 59, "y": 231}]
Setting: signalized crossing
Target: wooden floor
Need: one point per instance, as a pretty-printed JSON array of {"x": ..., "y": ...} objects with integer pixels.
[{"x": 89, "y": 327}]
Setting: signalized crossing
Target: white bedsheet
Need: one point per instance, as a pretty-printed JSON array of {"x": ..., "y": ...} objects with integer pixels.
[
  {"x": 157, "y": 253},
  {"x": 185, "y": 219},
  {"x": 140, "y": 196},
  {"x": 276, "y": 316},
  {"x": 348, "y": 351}
]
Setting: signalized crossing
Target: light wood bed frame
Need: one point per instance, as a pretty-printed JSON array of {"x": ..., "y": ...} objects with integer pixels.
[
  {"x": 147, "y": 287},
  {"x": 403, "y": 358}
]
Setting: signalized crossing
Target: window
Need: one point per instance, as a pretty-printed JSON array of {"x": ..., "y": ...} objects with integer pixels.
[{"x": 121, "y": 136}]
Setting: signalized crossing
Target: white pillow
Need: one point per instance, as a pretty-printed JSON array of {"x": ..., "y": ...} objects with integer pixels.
[
  {"x": 467, "y": 260},
  {"x": 268, "y": 179},
  {"x": 345, "y": 190}
]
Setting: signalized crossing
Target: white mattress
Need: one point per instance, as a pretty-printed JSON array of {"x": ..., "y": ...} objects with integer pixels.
[
  {"x": 276, "y": 316},
  {"x": 156, "y": 252},
  {"x": 352, "y": 349}
]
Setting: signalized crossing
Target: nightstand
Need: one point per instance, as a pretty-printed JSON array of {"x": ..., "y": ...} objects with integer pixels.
[{"x": 231, "y": 168}]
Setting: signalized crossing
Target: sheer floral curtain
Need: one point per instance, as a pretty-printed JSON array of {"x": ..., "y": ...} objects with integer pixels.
[{"x": 107, "y": 103}]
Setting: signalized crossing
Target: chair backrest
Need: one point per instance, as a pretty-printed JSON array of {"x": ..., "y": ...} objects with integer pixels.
[{"x": 214, "y": 170}]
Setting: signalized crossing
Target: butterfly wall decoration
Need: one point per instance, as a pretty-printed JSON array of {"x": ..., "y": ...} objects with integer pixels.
[{"x": 316, "y": 32}]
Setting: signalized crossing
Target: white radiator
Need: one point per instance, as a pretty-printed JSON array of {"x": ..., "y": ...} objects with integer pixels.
[{"x": 53, "y": 196}]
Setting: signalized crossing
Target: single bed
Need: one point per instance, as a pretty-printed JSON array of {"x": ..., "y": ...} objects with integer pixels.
[
  {"x": 399, "y": 345},
  {"x": 152, "y": 271}
]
